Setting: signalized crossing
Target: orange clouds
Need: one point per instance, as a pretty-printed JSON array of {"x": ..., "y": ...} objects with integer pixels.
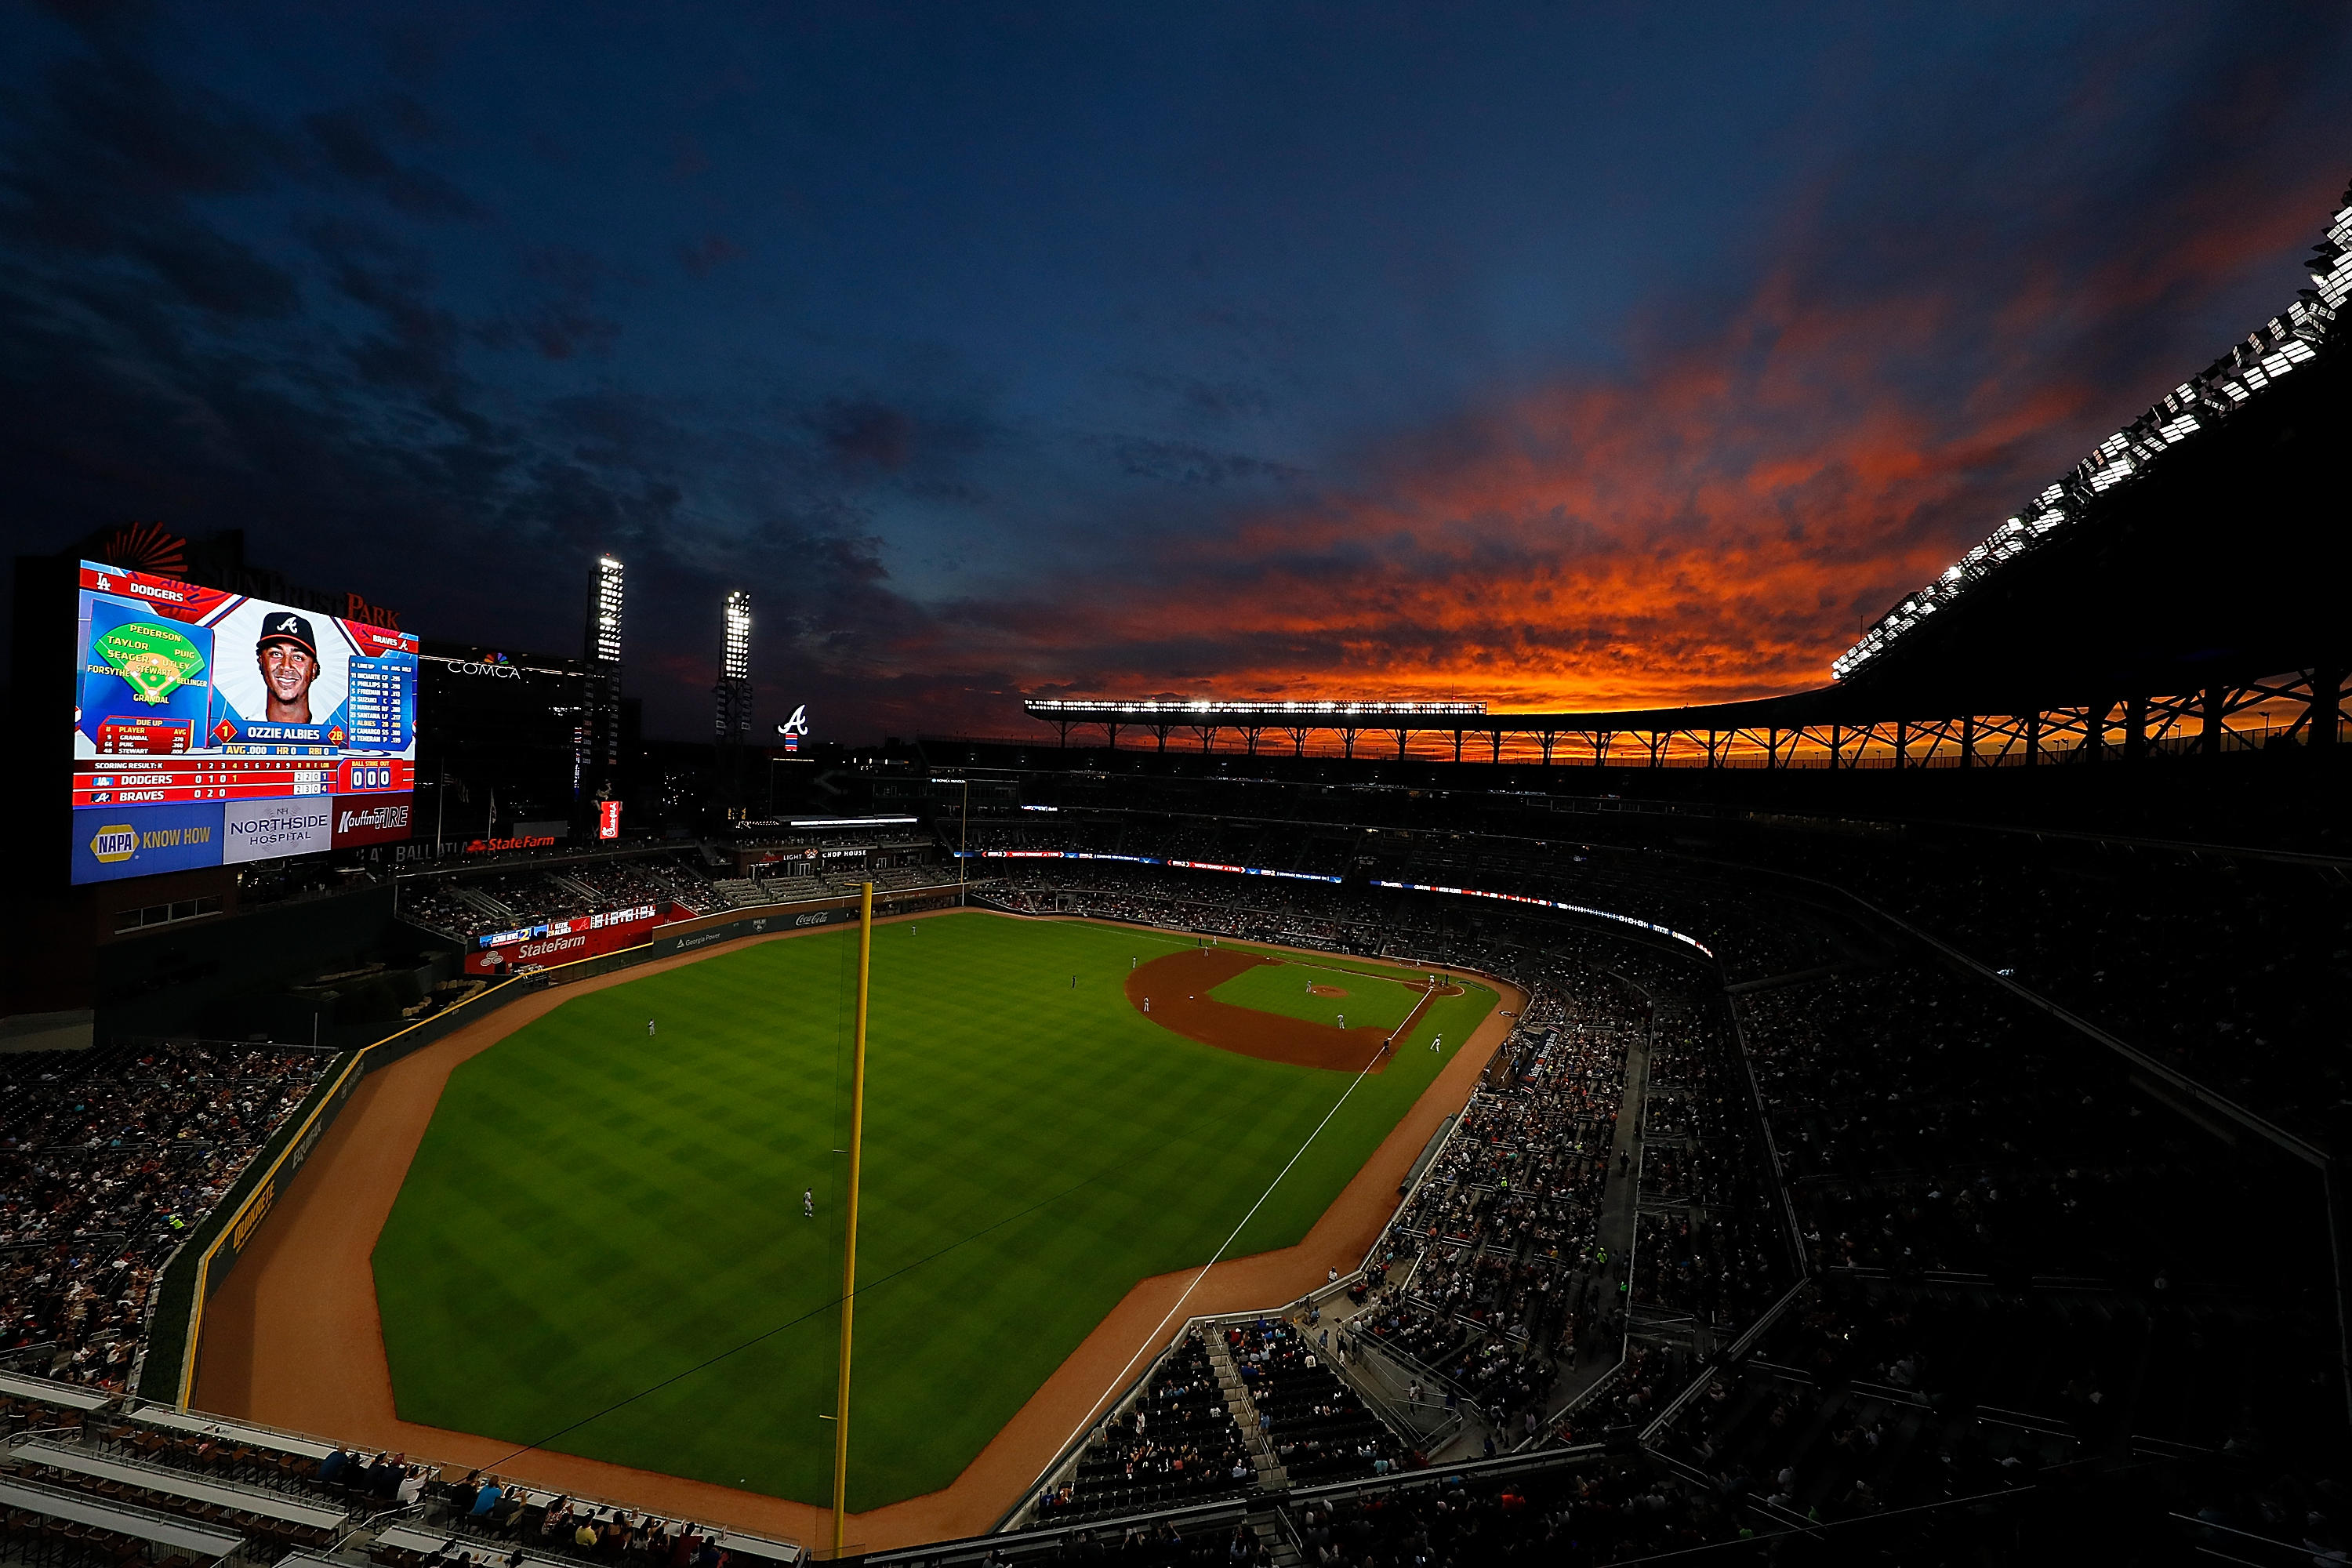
[
  {"x": 1713, "y": 529},
  {"x": 1716, "y": 523}
]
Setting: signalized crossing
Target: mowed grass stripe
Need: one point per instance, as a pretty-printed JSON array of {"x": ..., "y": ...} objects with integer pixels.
[{"x": 592, "y": 1210}]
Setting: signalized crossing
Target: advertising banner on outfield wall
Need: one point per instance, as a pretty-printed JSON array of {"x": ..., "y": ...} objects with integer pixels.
[
  {"x": 561, "y": 942},
  {"x": 750, "y": 925}
]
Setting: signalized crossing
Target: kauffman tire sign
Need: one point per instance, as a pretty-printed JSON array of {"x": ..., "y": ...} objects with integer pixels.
[{"x": 370, "y": 818}]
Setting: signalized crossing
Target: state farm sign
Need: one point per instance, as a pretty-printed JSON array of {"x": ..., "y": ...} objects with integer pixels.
[{"x": 561, "y": 942}]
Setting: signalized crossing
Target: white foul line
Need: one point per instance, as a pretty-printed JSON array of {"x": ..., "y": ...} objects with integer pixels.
[{"x": 1149, "y": 1339}]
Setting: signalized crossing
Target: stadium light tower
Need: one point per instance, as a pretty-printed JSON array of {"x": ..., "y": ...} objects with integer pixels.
[
  {"x": 732, "y": 695},
  {"x": 738, "y": 635},
  {"x": 598, "y": 753},
  {"x": 605, "y": 613}
]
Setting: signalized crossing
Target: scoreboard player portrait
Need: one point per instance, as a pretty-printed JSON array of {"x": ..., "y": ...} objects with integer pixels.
[
  {"x": 288, "y": 656},
  {"x": 293, "y": 693}
]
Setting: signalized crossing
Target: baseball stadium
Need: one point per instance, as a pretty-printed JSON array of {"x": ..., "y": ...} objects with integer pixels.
[{"x": 1906, "y": 1119}]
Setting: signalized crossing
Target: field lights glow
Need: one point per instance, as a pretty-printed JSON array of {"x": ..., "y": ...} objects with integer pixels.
[{"x": 1205, "y": 708}]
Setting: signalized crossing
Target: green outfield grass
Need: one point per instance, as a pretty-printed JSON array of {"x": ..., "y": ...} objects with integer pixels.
[
  {"x": 593, "y": 1212},
  {"x": 1371, "y": 1002}
]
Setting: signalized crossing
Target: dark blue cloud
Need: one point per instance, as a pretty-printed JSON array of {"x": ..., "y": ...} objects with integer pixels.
[
  {"x": 349, "y": 144},
  {"x": 1114, "y": 346}
]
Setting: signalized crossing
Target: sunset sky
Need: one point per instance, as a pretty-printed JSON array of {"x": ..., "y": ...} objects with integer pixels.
[{"x": 1560, "y": 357}]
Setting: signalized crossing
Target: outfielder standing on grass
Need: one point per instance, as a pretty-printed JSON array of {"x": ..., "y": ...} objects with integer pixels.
[
  {"x": 808, "y": 1203},
  {"x": 649, "y": 1028}
]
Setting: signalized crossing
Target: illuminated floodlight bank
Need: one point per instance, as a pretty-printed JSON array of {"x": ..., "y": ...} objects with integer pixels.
[
  {"x": 738, "y": 635},
  {"x": 605, "y": 636},
  {"x": 2273, "y": 351},
  {"x": 732, "y": 696},
  {"x": 1206, "y": 708}
]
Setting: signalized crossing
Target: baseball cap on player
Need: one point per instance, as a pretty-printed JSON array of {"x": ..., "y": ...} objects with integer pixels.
[{"x": 285, "y": 625}]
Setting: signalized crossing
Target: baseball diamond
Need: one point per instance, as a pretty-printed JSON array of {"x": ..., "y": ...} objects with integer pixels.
[{"x": 615, "y": 1213}]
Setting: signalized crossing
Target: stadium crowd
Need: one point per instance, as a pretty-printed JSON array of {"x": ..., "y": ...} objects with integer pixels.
[
  {"x": 107, "y": 1157},
  {"x": 1497, "y": 1256},
  {"x": 1749, "y": 939},
  {"x": 1178, "y": 1445},
  {"x": 2010, "y": 1250},
  {"x": 2226, "y": 968},
  {"x": 1710, "y": 1241},
  {"x": 2018, "y": 1259},
  {"x": 476, "y": 905},
  {"x": 1319, "y": 1429}
]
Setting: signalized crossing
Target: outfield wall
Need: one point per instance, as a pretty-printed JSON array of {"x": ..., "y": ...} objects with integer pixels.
[{"x": 167, "y": 1368}]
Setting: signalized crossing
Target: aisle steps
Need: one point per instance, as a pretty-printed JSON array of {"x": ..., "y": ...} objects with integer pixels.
[{"x": 1270, "y": 1475}]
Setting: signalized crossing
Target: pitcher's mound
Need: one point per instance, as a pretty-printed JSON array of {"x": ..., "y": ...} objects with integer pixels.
[
  {"x": 1180, "y": 983},
  {"x": 1325, "y": 991}
]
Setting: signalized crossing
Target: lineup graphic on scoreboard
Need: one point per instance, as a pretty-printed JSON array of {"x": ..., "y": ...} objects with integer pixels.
[{"x": 210, "y": 728}]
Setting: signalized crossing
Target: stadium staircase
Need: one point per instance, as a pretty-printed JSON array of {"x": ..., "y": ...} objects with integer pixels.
[
  {"x": 579, "y": 889},
  {"x": 482, "y": 903},
  {"x": 1270, "y": 1476},
  {"x": 1281, "y": 1546},
  {"x": 742, "y": 892}
]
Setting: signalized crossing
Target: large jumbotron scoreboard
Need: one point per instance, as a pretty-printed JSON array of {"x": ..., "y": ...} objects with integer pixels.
[{"x": 211, "y": 728}]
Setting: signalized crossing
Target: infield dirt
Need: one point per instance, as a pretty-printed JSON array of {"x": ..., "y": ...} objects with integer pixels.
[
  {"x": 1176, "y": 989},
  {"x": 293, "y": 1338}
]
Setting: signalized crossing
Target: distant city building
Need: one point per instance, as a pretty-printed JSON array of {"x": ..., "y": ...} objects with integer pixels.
[{"x": 499, "y": 736}]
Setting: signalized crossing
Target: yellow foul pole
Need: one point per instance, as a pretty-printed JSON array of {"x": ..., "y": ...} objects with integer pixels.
[{"x": 849, "y": 1242}]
